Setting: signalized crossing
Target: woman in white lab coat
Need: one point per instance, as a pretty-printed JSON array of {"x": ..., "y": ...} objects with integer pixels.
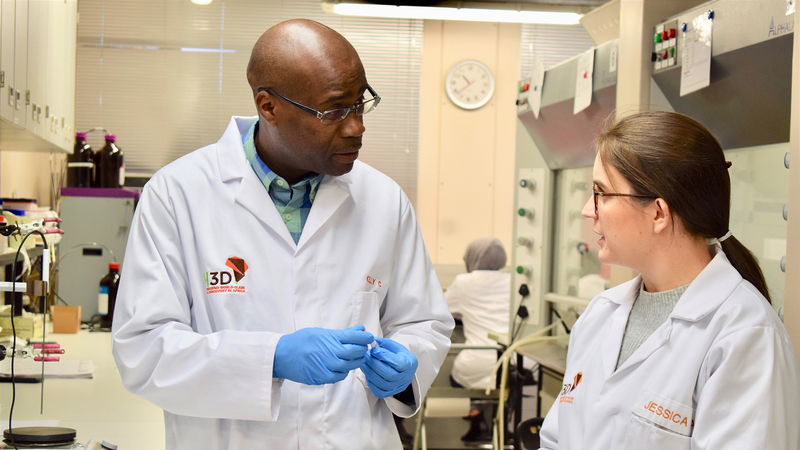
[
  {"x": 480, "y": 298},
  {"x": 690, "y": 354}
]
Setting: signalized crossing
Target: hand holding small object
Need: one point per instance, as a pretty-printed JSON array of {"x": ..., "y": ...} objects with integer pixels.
[
  {"x": 319, "y": 356},
  {"x": 389, "y": 368}
]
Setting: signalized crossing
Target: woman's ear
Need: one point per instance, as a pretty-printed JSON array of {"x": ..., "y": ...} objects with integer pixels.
[{"x": 662, "y": 217}]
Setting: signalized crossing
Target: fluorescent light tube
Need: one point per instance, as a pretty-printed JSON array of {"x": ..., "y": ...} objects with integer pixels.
[
  {"x": 445, "y": 13},
  {"x": 207, "y": 50}
]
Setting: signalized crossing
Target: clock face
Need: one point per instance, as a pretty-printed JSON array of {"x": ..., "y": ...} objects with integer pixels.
[{"x": 469, "y": 84}]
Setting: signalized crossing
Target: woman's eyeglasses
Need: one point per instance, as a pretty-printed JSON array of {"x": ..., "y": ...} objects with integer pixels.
[{"x": 596, "y": 193}]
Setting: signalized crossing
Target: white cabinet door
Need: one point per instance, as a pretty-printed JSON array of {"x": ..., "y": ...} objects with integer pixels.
[
  {"x": 70, "y": 44},
  {"x": 37, "y": 56},
  {"x": 56, "y": 72},
  {"x": 20, "y": 62},
  {"x": 61, "y": 72},
  {"x": 7, "y": 27},
  {"x": 37, "y": 67}
]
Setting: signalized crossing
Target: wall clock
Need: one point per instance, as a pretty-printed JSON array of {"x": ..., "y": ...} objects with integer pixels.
[{"x": 469, "y": 84}]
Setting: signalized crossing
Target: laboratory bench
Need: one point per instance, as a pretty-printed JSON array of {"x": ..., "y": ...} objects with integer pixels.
[{"x": 98, "y": 408}]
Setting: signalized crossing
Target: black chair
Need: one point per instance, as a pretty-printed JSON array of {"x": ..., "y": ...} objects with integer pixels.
[{"x": 527, "y": 433}]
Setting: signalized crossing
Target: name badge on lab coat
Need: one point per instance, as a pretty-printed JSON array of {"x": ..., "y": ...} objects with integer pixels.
[{"x": 665, "y": 413}]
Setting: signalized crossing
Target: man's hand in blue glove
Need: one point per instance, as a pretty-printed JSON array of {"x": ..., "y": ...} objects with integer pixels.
[
  {"x": 389, "y": 368},
  {"x": 319, "y": 356}
]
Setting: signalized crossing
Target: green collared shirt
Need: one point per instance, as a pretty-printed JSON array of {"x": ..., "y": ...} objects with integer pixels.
[{"x": 293, "y": 202}]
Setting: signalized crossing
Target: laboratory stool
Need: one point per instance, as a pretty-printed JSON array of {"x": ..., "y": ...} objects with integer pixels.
[
  {"x": 453, "y": 402},
  {"x": 527, "y": 433},
  {"x": 449, "y": 402}
]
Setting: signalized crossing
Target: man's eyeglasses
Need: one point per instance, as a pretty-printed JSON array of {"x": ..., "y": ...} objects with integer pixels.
[
  {"x": 334, "y": 115},
  {"x": 596, "y": 193}
]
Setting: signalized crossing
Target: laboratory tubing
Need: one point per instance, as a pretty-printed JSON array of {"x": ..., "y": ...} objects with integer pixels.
[
  {"x": 80, "y": 164},
  {"x": 109, "y": 165},
  {"x": 108, "y": 295}
]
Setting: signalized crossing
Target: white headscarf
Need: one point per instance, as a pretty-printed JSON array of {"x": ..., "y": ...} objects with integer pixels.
[{"x": 485, "y": 254}]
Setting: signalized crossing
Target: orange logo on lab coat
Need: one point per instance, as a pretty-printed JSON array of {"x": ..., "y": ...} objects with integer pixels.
[
  {"x": 568, "y": 388},
  {"x": 227, "y": 282}
]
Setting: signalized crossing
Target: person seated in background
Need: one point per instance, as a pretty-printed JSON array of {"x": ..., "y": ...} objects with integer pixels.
[{"x": 480, "y": 298}]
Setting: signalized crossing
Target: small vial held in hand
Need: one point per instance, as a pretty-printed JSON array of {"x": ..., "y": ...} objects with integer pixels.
[{"x": 374, "y": 344}]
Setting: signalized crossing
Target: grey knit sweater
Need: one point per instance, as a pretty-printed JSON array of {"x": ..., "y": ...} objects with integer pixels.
[{"x": 649, "y": 311}]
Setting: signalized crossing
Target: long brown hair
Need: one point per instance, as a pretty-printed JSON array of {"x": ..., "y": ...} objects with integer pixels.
[{"x": 672, "y": 156}]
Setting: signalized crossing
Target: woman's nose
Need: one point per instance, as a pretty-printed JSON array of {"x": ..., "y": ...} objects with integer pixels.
[{"x": 588, "y": 209}]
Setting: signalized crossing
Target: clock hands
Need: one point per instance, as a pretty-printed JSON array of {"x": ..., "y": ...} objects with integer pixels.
[{"x": 469, "y": 83}]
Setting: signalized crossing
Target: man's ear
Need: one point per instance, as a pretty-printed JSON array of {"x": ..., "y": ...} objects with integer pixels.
[
  {"x": 266, "y": 105},
  {"x": 662, "y": 216}
]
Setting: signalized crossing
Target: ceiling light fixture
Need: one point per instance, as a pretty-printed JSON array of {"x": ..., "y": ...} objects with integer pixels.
[
  {"x": 452, "y": 13},
  {"x": 201, "y": 2}
]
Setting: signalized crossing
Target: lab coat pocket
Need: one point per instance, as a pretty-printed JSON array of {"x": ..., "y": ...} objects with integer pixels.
[
  {"x": 643, "y": 434},
  {"x": 366, "y": 307}
]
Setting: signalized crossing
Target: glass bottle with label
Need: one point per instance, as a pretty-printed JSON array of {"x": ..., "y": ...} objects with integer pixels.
[
  {"x": 80, "y": 164},
  {"x": 109, "y": 165},
  {"x": 108, "y": 295}
]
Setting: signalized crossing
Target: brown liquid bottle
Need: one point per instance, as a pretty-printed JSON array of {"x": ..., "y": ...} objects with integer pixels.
[
  {"x": 109, "y": 165},
  {"x": 80, "y": 164}
]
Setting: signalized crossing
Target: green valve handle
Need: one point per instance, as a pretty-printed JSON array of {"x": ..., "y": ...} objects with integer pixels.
[
  {"x": 520, "y": 270},
  {"x": 522, "y": 212}
]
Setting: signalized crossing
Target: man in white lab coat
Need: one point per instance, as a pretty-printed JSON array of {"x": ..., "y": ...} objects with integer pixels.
[{"x": 259, "y": 269}]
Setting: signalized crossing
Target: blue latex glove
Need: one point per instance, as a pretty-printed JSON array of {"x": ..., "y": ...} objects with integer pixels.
[
  {"x": 320, "y": 356},
  {"x": 389, "y": 368}
]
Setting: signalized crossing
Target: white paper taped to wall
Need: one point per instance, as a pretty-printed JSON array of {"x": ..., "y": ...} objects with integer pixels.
[{"x": 696, "y": 51}]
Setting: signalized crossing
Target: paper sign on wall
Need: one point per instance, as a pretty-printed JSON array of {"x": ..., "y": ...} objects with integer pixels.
[
  {"x": 583, "y": 84},
  {"x": 537, "y": 80},
  {"x": 696, "y": 69}
]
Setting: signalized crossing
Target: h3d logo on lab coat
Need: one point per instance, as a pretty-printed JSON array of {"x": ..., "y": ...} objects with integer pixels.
[{"x": 224, "y": 281}]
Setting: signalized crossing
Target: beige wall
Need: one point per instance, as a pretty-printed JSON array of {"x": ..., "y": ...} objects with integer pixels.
[
  {"x": 466, "y": 158},
  {"x": 27, "y": 173}
]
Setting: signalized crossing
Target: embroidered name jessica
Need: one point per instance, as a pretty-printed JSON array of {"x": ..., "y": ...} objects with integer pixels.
[{"x": 659, "y": 410}]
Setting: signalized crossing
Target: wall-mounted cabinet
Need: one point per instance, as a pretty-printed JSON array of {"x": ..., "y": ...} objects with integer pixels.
[{"x": 37, "y": 74}]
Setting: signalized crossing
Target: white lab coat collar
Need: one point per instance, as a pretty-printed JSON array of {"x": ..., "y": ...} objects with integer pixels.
[
  {"x": 706, "y": 293},
  {"x": 233, "y": 165},
  {"x": 709, "y": 290}
]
